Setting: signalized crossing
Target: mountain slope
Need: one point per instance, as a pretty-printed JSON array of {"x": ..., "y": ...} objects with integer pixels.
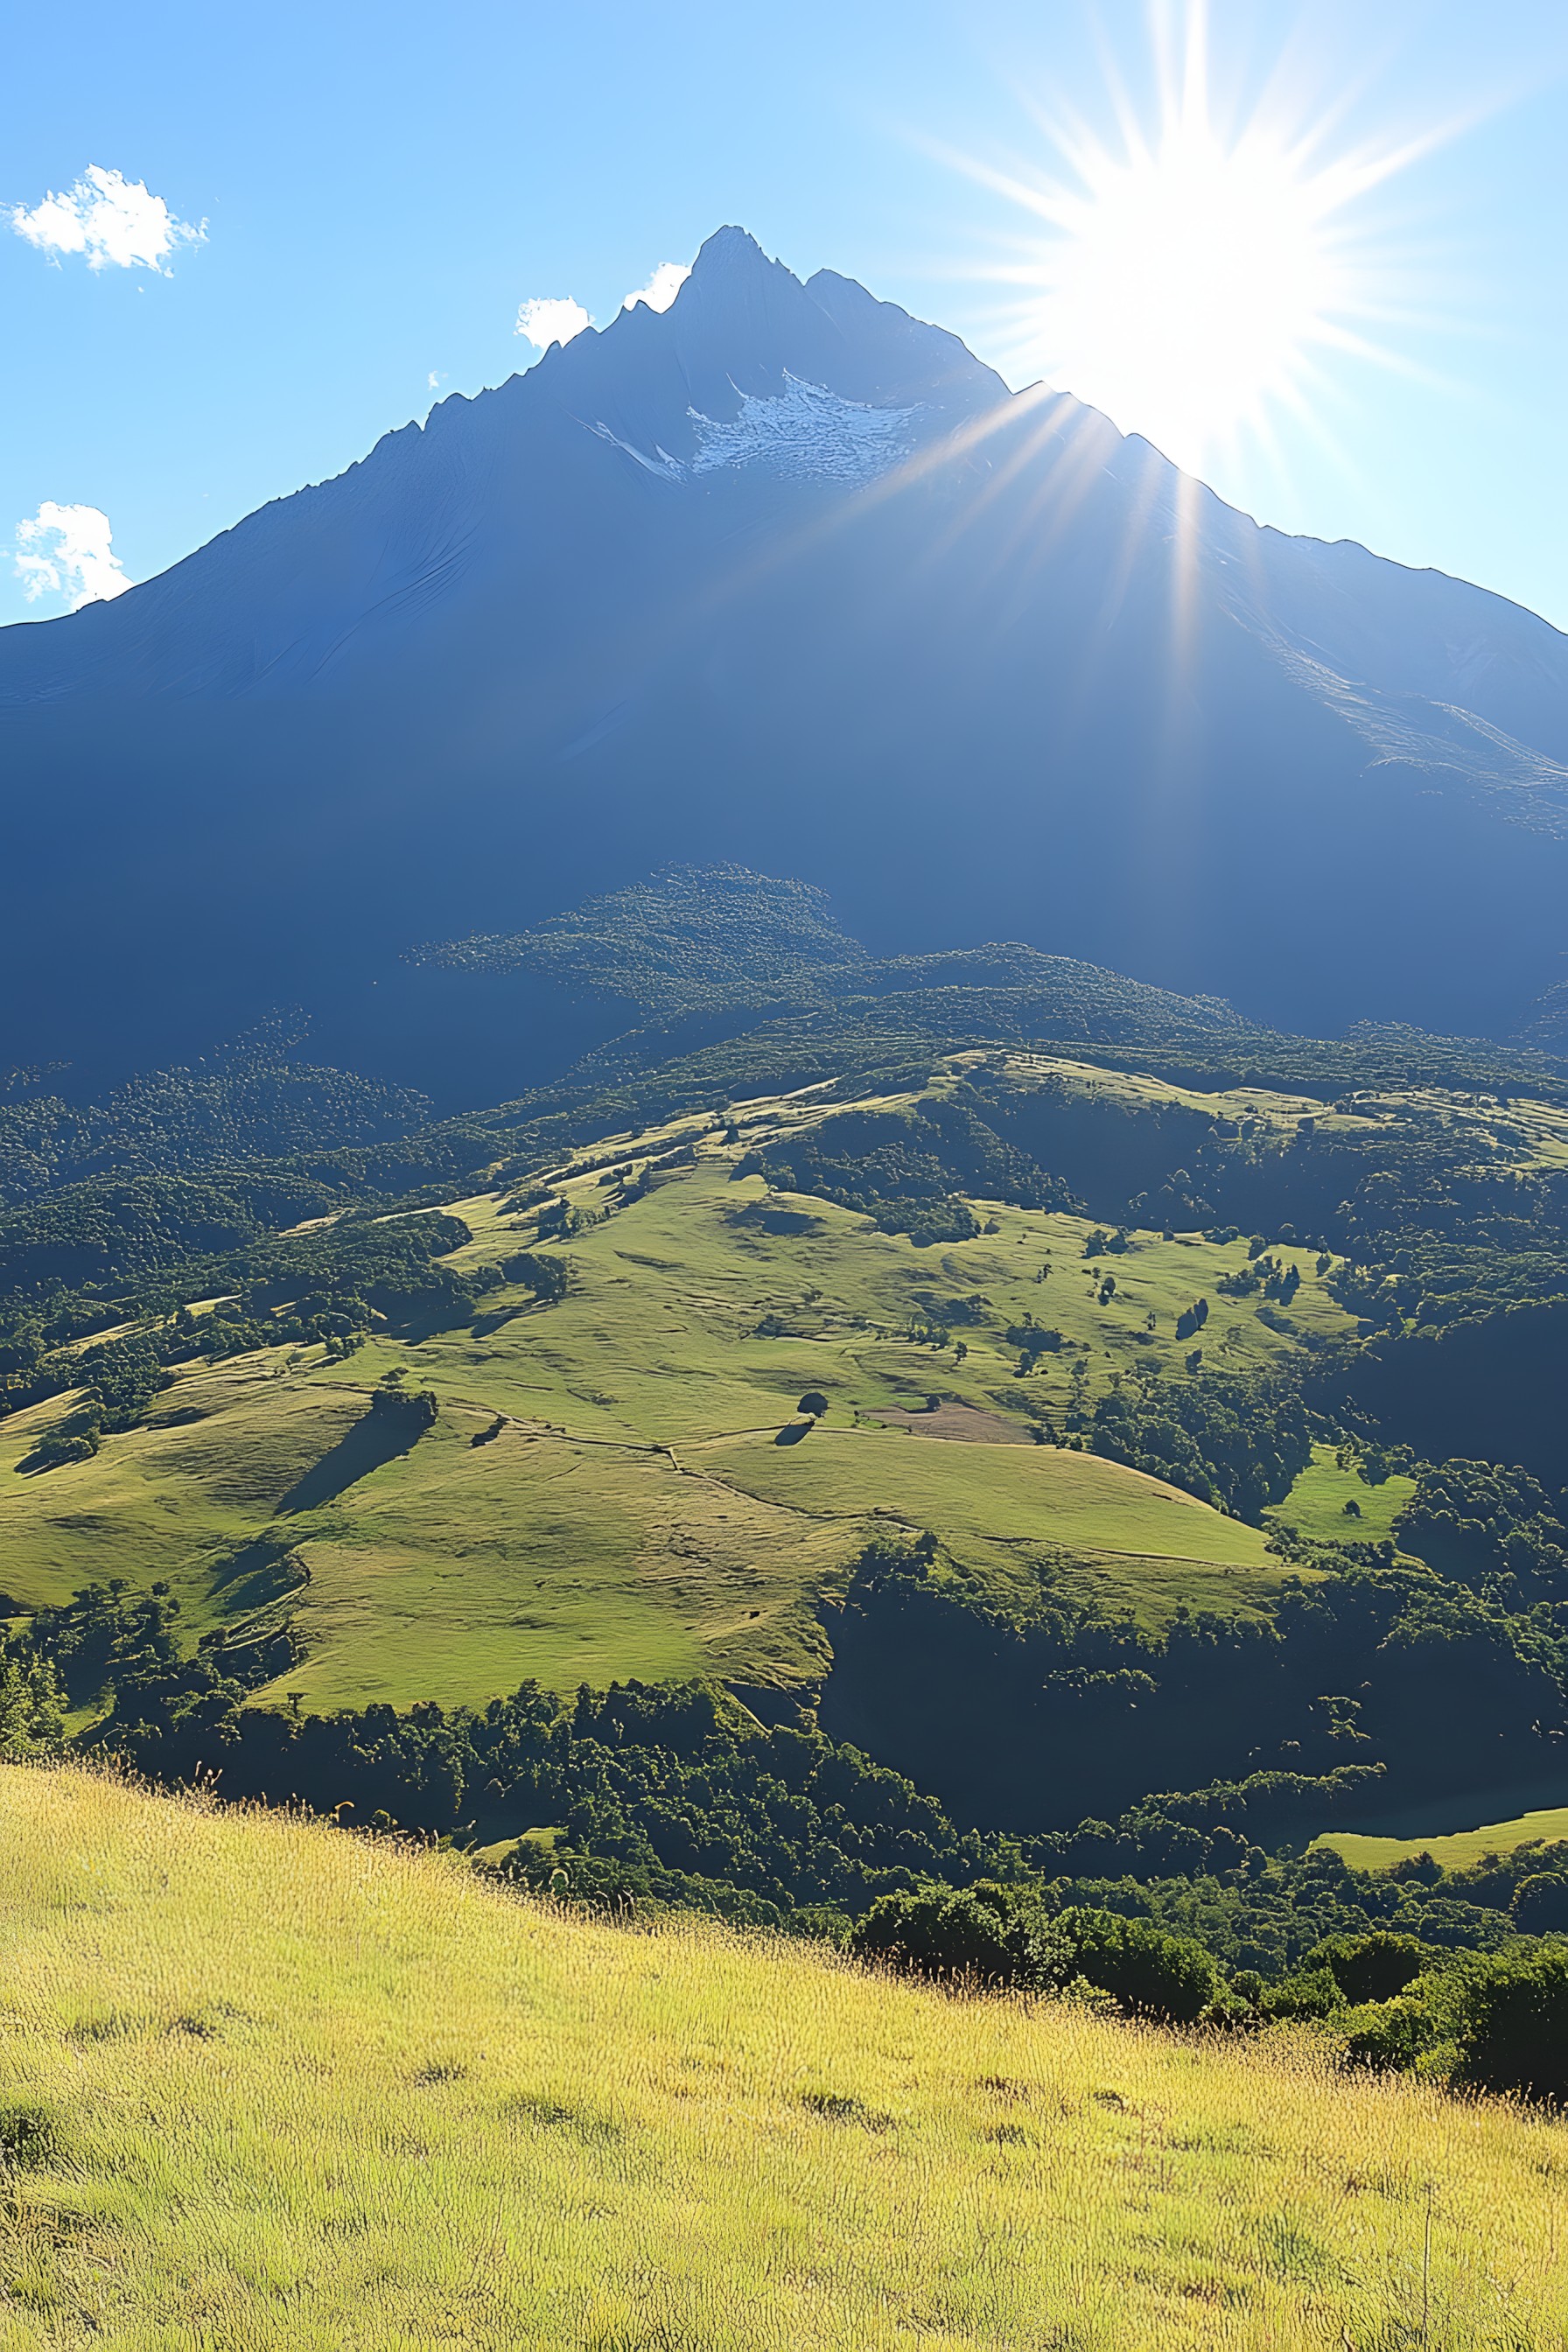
[{"x": 781, "y": 576}]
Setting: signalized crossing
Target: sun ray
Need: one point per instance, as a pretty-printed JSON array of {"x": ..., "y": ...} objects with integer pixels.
[{"x": 1194, "y": 258}]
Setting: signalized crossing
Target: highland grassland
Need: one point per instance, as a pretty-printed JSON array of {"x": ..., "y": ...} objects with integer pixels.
[
  {"x": 617, "y": 1483},
  {"x": 267, "y": 2084}
]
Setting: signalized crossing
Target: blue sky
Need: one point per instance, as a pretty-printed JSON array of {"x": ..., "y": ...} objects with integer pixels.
[{"x": 382, "y": 186}]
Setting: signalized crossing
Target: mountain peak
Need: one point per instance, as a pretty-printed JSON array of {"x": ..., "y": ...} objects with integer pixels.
[
  {"x": 778, "y": 573},
  {"x": 730, "y": 247}
]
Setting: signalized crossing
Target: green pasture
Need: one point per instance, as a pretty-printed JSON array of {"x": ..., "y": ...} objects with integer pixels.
[
  {"x": 449, "y": 1572},
  {"x": 627, "y": 1511},
  {"x": 1457, "y": 1851},
  {"x": 660, "y": 1336},
  {"x": 1011, "y": 1512},
  {"x": 1315, "y": 1506},
  {"x": 277, "y": 2088},
  {"x": 462, "y": 1569},
  {"x": 173, "y": 1498}
]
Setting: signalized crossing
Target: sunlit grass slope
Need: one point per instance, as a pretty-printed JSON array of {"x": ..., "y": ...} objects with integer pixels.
[
  {"x": 275, "y": 2088},
  {"x": 1128, "y": 1541},
  {"x": 628, "y": 1512},
  {"x": 1316, "y": 1504},
  {"x": 1459, "y": 1850}
]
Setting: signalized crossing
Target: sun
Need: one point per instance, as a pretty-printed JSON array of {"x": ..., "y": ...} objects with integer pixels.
[
  {"x": 1191, "y": 286},
  {"x": 1193, "y": 278}
]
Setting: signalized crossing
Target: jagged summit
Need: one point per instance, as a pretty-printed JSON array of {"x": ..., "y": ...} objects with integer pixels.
[
  {"x": 784, "y": 576},
  {"x": 731, "y": 248}
]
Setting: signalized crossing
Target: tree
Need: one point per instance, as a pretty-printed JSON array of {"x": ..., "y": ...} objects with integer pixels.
[
  {"x": 32, "y": 1709},
  {"x": 986, "y": 1934},
  {"x": 813, "y": 1403},
  {"x": 1147, "y": 1972},
  {"x": 1373, "y": 1967},
  {"x": 1539, "y": 1904},
  {"x": 1510, "y": 2016}
]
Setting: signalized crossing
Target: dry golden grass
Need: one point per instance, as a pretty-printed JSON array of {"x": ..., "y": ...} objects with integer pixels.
[{"x": 308, "y": 2092}]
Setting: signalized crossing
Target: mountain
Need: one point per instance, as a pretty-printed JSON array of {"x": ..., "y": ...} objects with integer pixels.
[{"x": 779, "y": 576}]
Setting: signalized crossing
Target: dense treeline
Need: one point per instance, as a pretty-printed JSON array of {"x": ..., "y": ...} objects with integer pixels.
[
  {"x": 247, "y": 1101},
  {"x": 1238, "y": 1444},
  {"x": 1494, "y": 1530},
  {"x": 1031, "y": 1720},
  {"x": 1495, "y": 2020},
  {"x": 909, "y": 1173},
  {"x": 181, "y": 1715},
  {"x": 642, "y": 1798}
]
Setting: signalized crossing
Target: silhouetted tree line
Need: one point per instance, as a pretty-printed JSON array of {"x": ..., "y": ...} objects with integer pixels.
[
  {"x": 1031, "y": 1721},
  {"x": 675, "y": 1796}
]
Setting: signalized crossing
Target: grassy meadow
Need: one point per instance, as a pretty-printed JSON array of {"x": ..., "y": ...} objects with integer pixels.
[
  {"x": 1458, "y": 1850},
  {"x": 604, "y": 1494},
  {"x": 267, "y": 2086},
  {"x": 1317, "y": 1503}
]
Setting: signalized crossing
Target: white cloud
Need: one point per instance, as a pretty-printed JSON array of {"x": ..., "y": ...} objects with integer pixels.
[
  {"x": 111, "y": 220},
  {"x": 434, "y": 381},
  {"x": 548, "y": 320},
  {"x": 661, "y": 289},
  {"x": 65, "y": 550}
]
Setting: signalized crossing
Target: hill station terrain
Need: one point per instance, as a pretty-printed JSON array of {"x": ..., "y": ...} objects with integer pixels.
[{"x": 738, "y": 1602}]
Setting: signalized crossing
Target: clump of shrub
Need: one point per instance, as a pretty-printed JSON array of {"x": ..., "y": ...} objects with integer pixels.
[
  {"x": 1002, "y": 1937},
  {"x": 409, "y": 1411}
]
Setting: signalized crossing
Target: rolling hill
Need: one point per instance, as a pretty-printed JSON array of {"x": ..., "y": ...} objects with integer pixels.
[
  {"x": 604, "y": 1493},
  {"x": 997, "y": 1386}
]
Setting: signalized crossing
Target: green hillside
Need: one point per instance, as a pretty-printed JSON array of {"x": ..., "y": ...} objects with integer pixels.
[
  {"x": 1460, "y": 1849},
  {"x": 264, "y": 2085},
  {"x": 1181, "y": 1456},
  {"x": 617, "y": 1483}
]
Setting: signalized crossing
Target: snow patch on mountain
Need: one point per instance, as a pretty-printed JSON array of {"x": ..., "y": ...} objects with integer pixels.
[
  {"x": 803, "y": 434},
  {"x": 806, "y": 431}
]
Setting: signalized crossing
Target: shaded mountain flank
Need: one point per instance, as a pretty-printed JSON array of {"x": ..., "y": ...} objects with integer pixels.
[{"x": 784, "y": 578}]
